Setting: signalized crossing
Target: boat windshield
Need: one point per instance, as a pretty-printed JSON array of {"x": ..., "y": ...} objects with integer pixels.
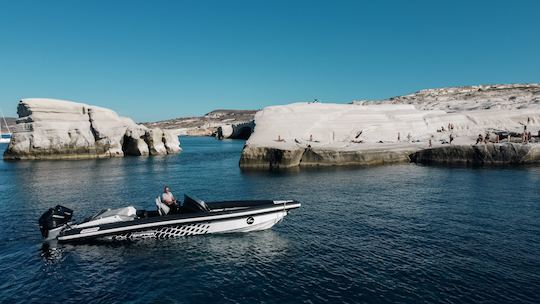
[{"x": 193, "y": 204}]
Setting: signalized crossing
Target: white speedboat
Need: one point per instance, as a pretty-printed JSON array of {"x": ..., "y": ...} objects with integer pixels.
[{"x": 194, "y": 217}]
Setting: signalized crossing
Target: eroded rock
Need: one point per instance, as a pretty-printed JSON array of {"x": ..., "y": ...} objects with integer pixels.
[{"x": 59, "y": 129}]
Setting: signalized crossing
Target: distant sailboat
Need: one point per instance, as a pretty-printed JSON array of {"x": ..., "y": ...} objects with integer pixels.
[{"x": 4, "y": 137}]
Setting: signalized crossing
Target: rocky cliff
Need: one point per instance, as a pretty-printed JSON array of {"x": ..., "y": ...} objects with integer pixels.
[
  {"x": 59, "y": 129},
  {"x": 389, "y": 131}
]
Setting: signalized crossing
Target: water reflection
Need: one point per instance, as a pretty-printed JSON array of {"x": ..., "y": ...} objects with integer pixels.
[{"x": 225, "y": 248}]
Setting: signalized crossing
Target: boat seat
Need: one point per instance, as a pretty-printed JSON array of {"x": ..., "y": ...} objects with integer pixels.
[{"x": 161, "y": 207}]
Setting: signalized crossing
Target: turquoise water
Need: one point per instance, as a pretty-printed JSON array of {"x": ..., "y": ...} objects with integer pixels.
[{"x": 404, "y": 233}]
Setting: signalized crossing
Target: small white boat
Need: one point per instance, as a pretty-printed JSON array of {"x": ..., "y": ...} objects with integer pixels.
[
  {"x": 5, "y": 138},
  {"x": 195, "y": 217}
]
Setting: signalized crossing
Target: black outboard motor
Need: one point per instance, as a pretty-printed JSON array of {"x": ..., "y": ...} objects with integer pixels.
[{"x": 54, "y": 218}]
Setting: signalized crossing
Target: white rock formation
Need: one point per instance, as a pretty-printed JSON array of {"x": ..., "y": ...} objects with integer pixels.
[
  {"x": 367, "y": 132},
  {"x": 171, "y": 142},
  {"x": 59, "y": 129},
  {"x": 154, "y": 138}
]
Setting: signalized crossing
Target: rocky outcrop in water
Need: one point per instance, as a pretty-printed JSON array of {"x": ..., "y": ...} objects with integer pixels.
[
  {"x": 59, "y": 129},
  {"x": 390, "y": 131},
  {"x": 478, "y": 155}
]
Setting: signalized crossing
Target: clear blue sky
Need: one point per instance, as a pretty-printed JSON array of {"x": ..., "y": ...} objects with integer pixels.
[{"x": 161, "y": 59}]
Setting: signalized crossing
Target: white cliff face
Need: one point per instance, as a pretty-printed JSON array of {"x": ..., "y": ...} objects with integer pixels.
[
  {"x": 470, "y": 98},
  {"x": 59, "y": 129},
  {"x": 399, "y": 126}
]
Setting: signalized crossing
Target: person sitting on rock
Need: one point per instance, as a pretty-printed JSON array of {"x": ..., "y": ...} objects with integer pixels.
[
  {"x": 479, "y": 139},
  {"x": 168, "y": 199}
]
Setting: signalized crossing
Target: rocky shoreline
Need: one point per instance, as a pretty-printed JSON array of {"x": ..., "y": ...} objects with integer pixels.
[
  {"x": 273, "y": 158},
  {"x": 468, "y": 155},
  {"x": 480, "y": 155}
]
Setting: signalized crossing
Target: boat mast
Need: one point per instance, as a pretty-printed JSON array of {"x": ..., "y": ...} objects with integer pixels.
[{"x": 5, "y": 123}]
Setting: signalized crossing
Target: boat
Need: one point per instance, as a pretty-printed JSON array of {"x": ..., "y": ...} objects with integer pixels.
[
  {"x": 195, "y": 217},
  {"x": 5, "y": 138}
]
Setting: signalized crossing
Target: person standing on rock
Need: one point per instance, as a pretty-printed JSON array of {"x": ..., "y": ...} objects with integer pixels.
[
  {"x": 168, "y": 199},
  {"x": 486, "y": 138}
]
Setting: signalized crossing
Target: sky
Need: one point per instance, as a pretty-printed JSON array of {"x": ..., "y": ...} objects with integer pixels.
[{"x": 153, "y": 60}]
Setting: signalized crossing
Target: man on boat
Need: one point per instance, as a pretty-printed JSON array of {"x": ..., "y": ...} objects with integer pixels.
[{"x": 168, "y": 199}]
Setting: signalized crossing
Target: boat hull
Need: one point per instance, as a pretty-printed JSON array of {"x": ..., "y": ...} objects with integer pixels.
[{"x": 247, "y": 224}]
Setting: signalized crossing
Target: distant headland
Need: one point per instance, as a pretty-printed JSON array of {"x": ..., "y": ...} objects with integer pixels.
[{"x": 234, "y": 124}]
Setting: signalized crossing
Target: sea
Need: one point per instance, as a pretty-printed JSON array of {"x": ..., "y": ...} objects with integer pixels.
[{"x": 386, "y": 234}]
